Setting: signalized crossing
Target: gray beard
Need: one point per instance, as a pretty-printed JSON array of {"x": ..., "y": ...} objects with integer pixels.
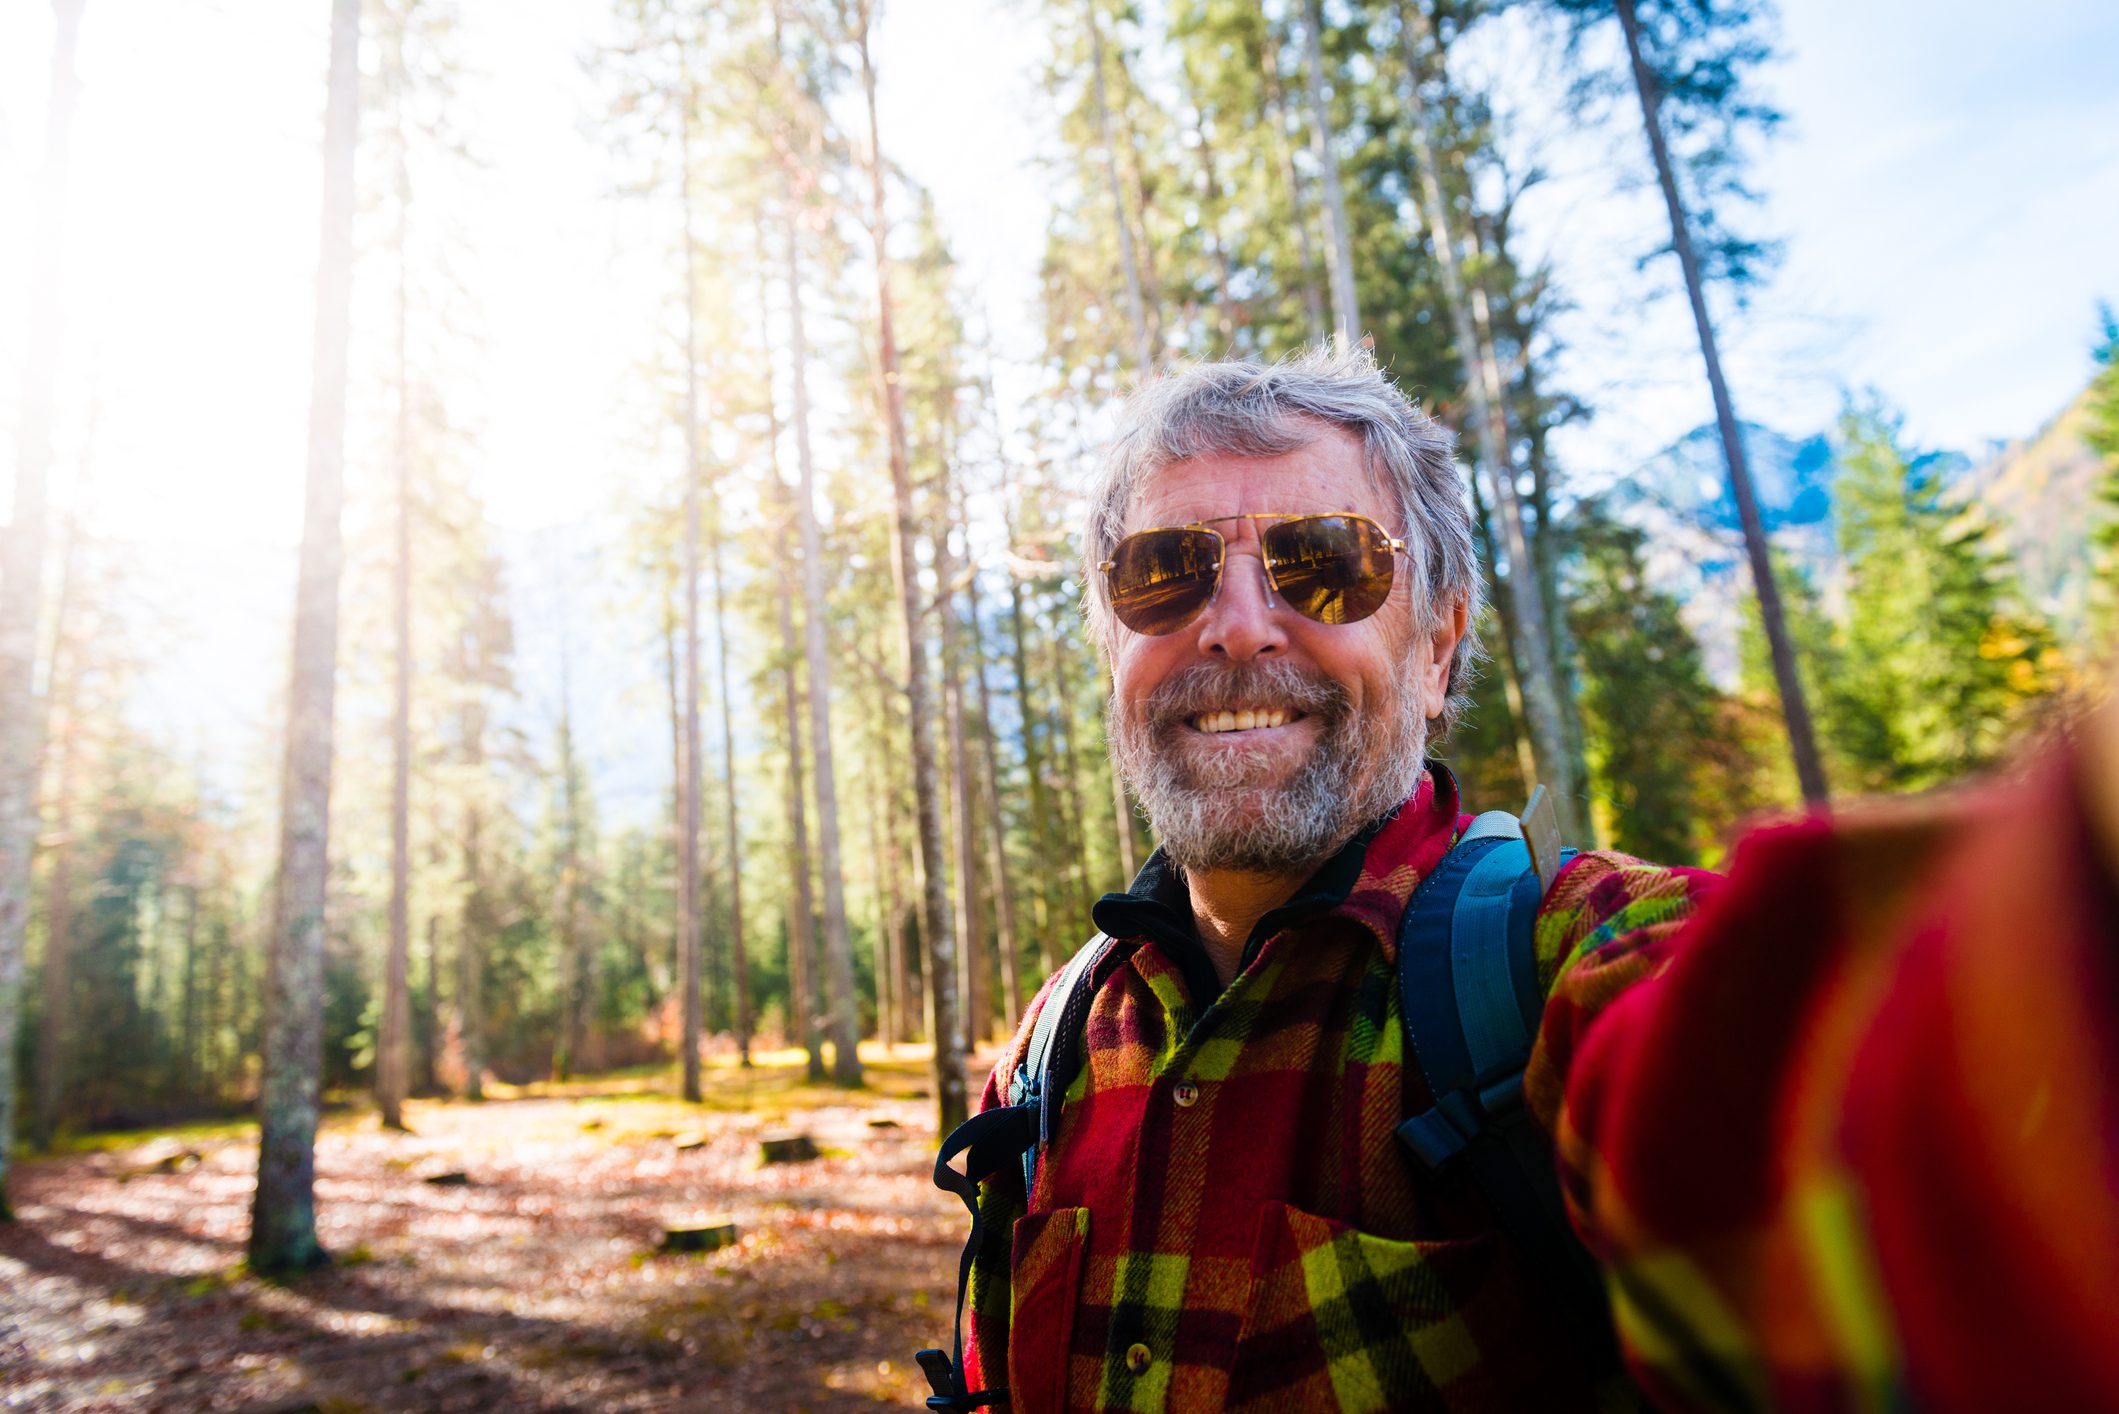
[{"x": 1209, "y": 814}]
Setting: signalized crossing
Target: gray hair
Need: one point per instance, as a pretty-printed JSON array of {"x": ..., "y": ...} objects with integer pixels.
[{"x": 1248, "y": 409}]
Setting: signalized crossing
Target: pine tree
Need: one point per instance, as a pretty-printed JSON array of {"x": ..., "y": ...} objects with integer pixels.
[
  {"x": 1939, "y": 667},
  {"x": 1653, "y": 717}
]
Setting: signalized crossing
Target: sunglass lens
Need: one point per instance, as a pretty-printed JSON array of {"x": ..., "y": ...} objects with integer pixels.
[
  {"x": 1160, "y": 579},
  {"x": 1334, "y": 569}
]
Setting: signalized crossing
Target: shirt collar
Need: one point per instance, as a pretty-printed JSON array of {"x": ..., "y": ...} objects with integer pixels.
[{"x": 1368, "y": 881}]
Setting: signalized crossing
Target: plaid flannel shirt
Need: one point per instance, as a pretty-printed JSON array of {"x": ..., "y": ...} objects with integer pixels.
[
  {"x": 1225, "y": 1220},
  {"x": 1857, "y": 1147}
]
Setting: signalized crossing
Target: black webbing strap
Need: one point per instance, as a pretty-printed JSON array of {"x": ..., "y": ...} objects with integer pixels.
[
  {"x": 989, "y": 1142},
  {"x": 1014, "y": 1133}
]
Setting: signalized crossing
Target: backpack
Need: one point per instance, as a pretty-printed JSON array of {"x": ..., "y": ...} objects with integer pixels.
[{"x": 1469, "y": 997}]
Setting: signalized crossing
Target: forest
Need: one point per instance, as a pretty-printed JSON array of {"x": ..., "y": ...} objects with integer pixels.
[{"x": 412, "y": 908}]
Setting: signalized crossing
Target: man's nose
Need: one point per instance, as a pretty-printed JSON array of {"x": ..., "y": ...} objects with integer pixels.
[{"x": 1244, "y": 621}]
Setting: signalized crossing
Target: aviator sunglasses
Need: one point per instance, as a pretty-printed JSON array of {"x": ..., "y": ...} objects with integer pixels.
[{"x": 1335, "y": 569}]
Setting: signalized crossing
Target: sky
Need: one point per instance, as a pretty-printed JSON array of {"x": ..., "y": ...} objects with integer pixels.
[{"x": 1947, "y": 187}]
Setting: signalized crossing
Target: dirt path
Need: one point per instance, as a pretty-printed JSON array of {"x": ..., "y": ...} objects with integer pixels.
[{"x": 533, "y": 1286}]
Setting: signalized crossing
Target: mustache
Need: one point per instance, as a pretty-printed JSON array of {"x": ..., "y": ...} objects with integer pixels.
[{"x": 1205, "y": 687}]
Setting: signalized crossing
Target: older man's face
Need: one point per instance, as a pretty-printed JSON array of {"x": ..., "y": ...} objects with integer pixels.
[{"x": 1339, "y": 711}]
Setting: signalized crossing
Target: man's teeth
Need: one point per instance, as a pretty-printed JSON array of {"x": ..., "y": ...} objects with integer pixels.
[{"x": 1241, "y": 721}]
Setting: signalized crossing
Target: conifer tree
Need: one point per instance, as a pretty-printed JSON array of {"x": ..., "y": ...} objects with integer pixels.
[{"x": 1939, "y": 667}]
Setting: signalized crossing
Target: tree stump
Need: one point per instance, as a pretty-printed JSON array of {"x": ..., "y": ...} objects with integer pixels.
[
  {"x": 786, "y": 1147},
  {"x": 710, "y": 1236}
]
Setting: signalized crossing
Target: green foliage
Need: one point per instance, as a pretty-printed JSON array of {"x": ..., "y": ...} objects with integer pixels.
[
  {"x": 1938, "y": 669},
  {"x": 2104, "y": 441},
  {"x": 1659, "y": 740},
  {"x": 1703, "y": 55}
]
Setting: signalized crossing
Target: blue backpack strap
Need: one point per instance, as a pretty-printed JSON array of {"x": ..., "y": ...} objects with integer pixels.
[
  {"x": 1054, "y": 1056},
  {"x": 1468, "y": 992},
  {"x": 991, "y": 1140}
]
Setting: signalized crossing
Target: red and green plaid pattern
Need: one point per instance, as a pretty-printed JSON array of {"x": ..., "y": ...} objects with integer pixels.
[
  {"x": 1857, "y": 1147},
  {"x": 1226, "y": 1220}
]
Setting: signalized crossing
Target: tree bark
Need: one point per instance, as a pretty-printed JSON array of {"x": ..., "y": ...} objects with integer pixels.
[
  {"x": 472, "y": 925},
  {"x": 802, "y": 1013},
  {"x": 1284, "y": 153},
  {"x": 837, "y": 991},
  {"x": 1482, "y": 385},
  {"x": 283, "y": 1211},
  {"x": 22, "y": 571},
  {"x": 62, "y": 710},
  {"x": 967, "y": 898},
  {"x": 739, "y": 957},
  {"x": 1034, "y": 768},
  {"x": 1802, "y": 737},
  {"x": 392, "y": 1061},
  {"x": 572, "y": 944},
  {"x": 951, "y": 1103},
  {"x": 1346, "y": 312},
  {"x": 1004, "y": 912},
  {"x": 1128, "y": 257},
  {"x": 688, "y": 782}
]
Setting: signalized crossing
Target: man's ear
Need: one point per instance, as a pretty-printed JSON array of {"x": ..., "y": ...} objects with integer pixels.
[{"x": 1440, "y": 653}]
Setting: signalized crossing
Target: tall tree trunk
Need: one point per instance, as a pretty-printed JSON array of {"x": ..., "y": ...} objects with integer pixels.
[
  {"x": 574, "y": 991},
  {"x": 1004, "y": 911},
  {"x": 283, "y": 1210},
  {"x": 63, "y": 713},
  {"x": 837, "y": 991},
  {"x": 1284, "y": 154},
  {"x": 428, "y": 1027},
  {"x": 739, "y": 957},
  {"x": 688, "y": 781},
  {"x": 802, "y": 1011},
  {"x": 1802, "y": 738},
  {"x": 392, "y": 1061},
  {"x": 188, "y": 1026},
  {"x": 879, "y": 960},
  {"x": 1063, "y": 692},
  {"x": 906, "y": 1021},
  {"x": 1224, "y": 318},
  {"x": 1034, "y": 768},
  {"x": 1128, "y": 256},
  {"x": 22, "y": 571},
  {"x": 968, "y": 923},
  {"x": 952, "y": 1105},
  {"x": 1482, "y": 385},
  {"x": 473, "y": 925},
  {"x": 1346, "y": 312}
]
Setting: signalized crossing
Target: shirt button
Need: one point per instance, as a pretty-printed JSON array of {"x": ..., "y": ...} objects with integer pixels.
[
  {"x": 1187, "y": 1095},
  {"x": 1139, "y": 1357}
]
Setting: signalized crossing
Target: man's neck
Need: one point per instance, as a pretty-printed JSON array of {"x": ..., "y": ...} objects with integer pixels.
[{"x": 1227, "y": 905}]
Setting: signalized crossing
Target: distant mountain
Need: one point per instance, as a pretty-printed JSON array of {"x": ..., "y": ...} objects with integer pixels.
[
  {"x": 1695, "y": 548},
  {"x": 2040, "y": 494},
  {"x": 1688, "y": 479}
]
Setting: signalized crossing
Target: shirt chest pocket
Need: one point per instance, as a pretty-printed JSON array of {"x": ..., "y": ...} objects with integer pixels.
[
  {"x": 1044, "y": 1282},
  {"x": 1343, "y": 1320}
]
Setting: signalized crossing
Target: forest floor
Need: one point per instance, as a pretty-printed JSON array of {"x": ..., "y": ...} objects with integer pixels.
[{"x": 533, "y": 1284}]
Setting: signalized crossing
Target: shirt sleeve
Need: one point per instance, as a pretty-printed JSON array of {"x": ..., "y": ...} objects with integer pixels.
[
  {"x": 1849, "y": 1142},
  {"x": 1609, "y": 923}
]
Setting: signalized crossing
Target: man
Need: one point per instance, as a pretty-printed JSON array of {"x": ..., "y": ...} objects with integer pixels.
[
  {"x": 1843, "y": 1131},
  {"x": 1225, "y": 1171}
]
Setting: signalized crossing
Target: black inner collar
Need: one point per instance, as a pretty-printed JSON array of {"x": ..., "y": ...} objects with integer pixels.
[{"x": 1159, "y": 908}]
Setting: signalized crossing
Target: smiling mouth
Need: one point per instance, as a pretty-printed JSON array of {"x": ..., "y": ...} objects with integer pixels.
[{"x": 1244, "y": 720}]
